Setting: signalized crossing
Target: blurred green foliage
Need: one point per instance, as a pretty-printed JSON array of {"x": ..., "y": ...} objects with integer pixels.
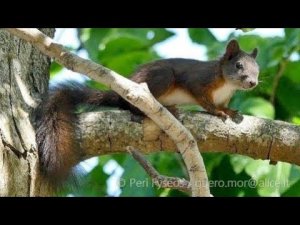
[{"x": 123, "y": 50}]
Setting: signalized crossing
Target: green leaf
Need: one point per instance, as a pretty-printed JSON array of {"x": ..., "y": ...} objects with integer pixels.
[
  {"x": 160, "y": 35},
  {"x": 135, "y": 182},
  {"x": 258, "y": 169},
  {"x": 122, "y": 45},
  {"x": 125, "y": 54},
  {"x": 202, "y": 36},
  {"x": 293, "y": 191},
  {"x": 277, "y": 181},
  {"x": 292, "y": 38},
  {"x": 259, "y": 107},
  {"x": 169, "y": 164},
  {"x": 215, "y": 50},
  {"x": 271, "y": 180},
  {"x": 104, "y": 159},
  {"x": 292, "y": 71},
  {"x": 98, "y": 39},
  {"x": 95, "y": 85},
  {"x": 122, "y": 49},
  {"x": 266, "y": 78},
  {"x": 150, "y": 36},
  {"x": 212, "y": 161},
  {"x": 55, "y": 68},
  {"x": 289, "y": 32},
  {"x": 296, "y": 120},
  {"x": 239, "y": 162},
  {"x": 294, "y": 175},
  {"x": 249, "y": 42},
  {"x": 118, "y": 157},
  {"x": 93, "y": 184},
  {"x": 92, "y": 38},
  {"x": 287, "y": 95},
  {"x": 127, "y": 63},
  {"x": 225, "y": 182}
]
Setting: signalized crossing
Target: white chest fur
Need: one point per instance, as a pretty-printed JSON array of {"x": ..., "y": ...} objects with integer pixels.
[
  {"x": 177, "y": 97},
  {"x": 223, "y": 94}
]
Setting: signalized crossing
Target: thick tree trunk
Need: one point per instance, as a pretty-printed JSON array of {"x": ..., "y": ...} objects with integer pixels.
[{"x": 24, "y": 78}]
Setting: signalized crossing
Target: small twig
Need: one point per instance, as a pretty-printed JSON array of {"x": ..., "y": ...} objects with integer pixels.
[
  {"x": 159, "y": 180},
  {"x": 280, "y": 71},
  {"x": 277, "y": 77}
]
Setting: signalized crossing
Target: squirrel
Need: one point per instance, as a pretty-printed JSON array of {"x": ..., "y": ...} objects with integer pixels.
[{"x": 173, "y": 81}]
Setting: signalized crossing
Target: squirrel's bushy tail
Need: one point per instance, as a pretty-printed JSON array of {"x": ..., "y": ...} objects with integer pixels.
[{"x": 58, "y": 146}]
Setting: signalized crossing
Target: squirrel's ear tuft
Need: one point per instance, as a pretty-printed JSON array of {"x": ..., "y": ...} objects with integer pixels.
[
  {"x": 254, "y": 53},
  {"x": 232, "y": 49}
]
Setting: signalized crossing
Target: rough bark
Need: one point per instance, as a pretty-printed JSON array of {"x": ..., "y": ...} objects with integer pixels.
[
  {"x": 24, "y": 78},
  {"x": 108, "y": 132}
]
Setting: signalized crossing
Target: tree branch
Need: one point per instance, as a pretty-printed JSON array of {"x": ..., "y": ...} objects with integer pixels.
[
  {"x": 108, "y": 132},
  {"x": 159, "y": 180},
  {"x": 281, "y": 68},
  {"x": 277, "y": 77},
  {"x": 137, "y": 94}
]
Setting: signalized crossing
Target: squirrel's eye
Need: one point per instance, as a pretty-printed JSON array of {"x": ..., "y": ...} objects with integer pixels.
[{"x": 239, "y": 65}]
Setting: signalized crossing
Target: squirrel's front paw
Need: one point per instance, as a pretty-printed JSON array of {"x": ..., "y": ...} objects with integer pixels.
[
  {"x": 230, "y": 112},
  {"x": 221, "y": 114},
  {"x": 234, "y": 115}
]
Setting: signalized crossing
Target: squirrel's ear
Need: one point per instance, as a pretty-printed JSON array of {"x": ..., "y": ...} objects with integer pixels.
[
  {"x": 254, "y": 53},
  {"x": 232, "y": 49}
]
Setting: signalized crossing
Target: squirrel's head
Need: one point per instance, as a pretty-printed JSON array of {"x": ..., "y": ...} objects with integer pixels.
[{"x": 239, "y": 67}]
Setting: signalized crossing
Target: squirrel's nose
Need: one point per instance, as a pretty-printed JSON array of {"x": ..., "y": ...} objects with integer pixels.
[{"x": 252, "y": 83}]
